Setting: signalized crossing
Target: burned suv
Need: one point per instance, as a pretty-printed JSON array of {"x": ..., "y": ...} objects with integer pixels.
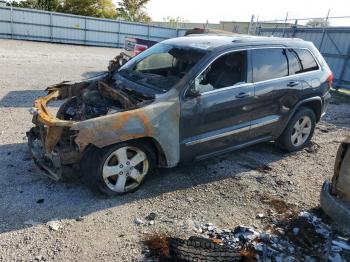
[{"x": 181, "y": 100}]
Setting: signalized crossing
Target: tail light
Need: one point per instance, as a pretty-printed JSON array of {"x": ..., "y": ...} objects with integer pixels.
[
  {"x": 139, "y": 49},
  {"x": 330, "y": 80}
]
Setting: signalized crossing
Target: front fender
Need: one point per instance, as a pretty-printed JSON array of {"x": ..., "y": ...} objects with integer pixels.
[{"x": 159, "y": 120}]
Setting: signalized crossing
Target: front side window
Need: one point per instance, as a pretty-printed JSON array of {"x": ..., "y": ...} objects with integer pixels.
[
  {"x": 269, "y": 63},
  {"x": 226, "y": 71}
]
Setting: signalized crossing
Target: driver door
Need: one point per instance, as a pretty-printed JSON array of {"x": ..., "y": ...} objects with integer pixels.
[{"x": 216, "y": 109}]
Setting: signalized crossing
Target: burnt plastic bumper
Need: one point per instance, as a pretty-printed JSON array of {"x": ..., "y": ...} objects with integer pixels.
[
  {"x": 335, "y": 208},
  {"x": 49, "y": 164}
]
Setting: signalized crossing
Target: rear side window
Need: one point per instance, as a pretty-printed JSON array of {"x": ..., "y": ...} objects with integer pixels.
[
  {"x": 307, "y": 61},
  {"x": 294, "y": 62},
  {"x": 269, "y": 64}
]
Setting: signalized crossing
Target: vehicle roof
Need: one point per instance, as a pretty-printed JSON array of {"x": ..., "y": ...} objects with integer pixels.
[{"x": 210, "y": 42}]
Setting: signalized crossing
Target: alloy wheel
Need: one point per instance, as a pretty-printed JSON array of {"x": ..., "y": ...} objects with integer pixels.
[
  {"x": 301, "y": 131},
  {"x": 125, "y": 169}
]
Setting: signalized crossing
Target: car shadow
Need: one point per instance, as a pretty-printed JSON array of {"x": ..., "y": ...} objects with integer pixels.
[
  {"x": 92, "y": 74},
  {"x": 23, "y": 98},
  {"x": 28, "y": 198}
]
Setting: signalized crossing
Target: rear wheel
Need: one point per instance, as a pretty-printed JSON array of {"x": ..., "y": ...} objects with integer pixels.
[
  {"x": 120, "y": 168},
  {"x": 299, "y": 130}
]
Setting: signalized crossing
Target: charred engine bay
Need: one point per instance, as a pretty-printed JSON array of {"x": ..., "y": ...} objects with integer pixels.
[{"x": 98, "y": 98}]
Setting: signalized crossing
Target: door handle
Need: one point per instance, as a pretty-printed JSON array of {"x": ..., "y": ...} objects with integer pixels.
[
  {"x": 242, "y": 95},
  {"x": 293, "y": 83}
]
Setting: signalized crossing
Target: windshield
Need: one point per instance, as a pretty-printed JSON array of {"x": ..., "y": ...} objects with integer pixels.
[{"x": 162, "y": 66}]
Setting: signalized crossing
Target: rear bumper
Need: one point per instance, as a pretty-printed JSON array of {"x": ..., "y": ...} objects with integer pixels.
[
  {"x": 325, "y": 103},
  {"x": 335, "y": 208}
]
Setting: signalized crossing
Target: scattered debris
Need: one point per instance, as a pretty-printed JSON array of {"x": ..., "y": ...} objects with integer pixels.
[
  {"x": 40, "y": 201},
  {"x": 80, "y": 218},
  {"x": 303, "y": 237},
  {"x": 312, "y": 148},
  {"x": 265, "y": 169},
  {"x": 54, "y": 225},
  {"x": 138, "y": 221},
  {"x": 152, "y": 216},
  {"x": 260, "y": 215}
]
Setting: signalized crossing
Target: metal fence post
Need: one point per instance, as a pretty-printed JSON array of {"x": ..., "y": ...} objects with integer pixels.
[
  {"x": 11, "y": 19},
  {"x": 250, "y": 24},
  {"x": 118, "y": 39},
  {"x": 51, "y": 27},
  {"x": 295, "y": 28},
  {"x": 148, "y": 31},
  {"x": 85, "y": 30},
  {"x": 285, "y": 24},
  {"x": 324, "y": 31}
]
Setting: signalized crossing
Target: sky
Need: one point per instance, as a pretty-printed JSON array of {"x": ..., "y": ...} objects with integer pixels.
[{"x": 231, "y": 10}]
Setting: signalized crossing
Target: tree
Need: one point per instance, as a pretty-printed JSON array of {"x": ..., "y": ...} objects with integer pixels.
[
  {"x": 174, "y": 21},
  {"x": 318, "y": 22},
  {"x": 23, "y": 4},
  {"x": 48, "y": 5},
  {"x": 96, "y": 8},
  {"x": 133, "y": 10}
]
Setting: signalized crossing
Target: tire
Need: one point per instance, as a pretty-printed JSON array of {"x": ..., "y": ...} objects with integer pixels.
[
  {"x": 200, "y": 249},
  {"x": 294, "y": 139},
  {"x": 108, "y": 168}
]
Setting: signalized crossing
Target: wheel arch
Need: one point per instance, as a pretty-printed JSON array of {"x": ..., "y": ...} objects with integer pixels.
[
  {"x": 153, "y": 143},
  {"x": 313, "y": 103}
]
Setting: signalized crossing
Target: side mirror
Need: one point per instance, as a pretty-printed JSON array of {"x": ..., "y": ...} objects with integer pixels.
[{"x": 192, "y": 92}]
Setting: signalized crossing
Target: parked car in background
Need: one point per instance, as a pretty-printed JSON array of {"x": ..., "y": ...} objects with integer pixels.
[{"x": 183, "y": 99}]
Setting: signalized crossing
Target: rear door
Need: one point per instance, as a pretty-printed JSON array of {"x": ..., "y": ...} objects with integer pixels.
[{"x": 276, "y": 90}]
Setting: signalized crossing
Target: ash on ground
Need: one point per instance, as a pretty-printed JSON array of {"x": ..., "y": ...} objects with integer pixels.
[{"x": 302, "y": 238}]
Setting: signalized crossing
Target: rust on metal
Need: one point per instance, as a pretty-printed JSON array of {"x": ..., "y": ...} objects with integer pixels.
[
  {"x": 53, "y": 135},
  {"x": 114, "y": 94}
]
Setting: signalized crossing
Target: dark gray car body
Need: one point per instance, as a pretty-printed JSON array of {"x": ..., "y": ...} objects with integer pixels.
[
  {"x": 234, "y": 117},
  {"x": 181, "y": 125}
]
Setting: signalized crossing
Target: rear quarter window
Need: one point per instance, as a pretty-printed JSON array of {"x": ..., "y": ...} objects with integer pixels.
[
  {"x": 307, "y": 61},
  {"x": 269, "y": 63}
]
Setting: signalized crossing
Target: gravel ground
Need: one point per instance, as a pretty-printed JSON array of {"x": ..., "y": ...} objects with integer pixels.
[{"x": 227, "y": 190}]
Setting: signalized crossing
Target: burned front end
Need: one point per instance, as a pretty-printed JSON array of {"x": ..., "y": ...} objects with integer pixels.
[{"x": 52, "y": 141}]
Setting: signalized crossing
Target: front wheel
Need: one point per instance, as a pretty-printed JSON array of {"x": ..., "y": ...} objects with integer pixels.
[
  {"x": 120, "y": 168},
  {"x": 299, "y": 130}
]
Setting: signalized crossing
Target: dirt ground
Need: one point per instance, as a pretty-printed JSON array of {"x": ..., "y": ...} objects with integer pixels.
[{"x": 228, "y": 191}]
